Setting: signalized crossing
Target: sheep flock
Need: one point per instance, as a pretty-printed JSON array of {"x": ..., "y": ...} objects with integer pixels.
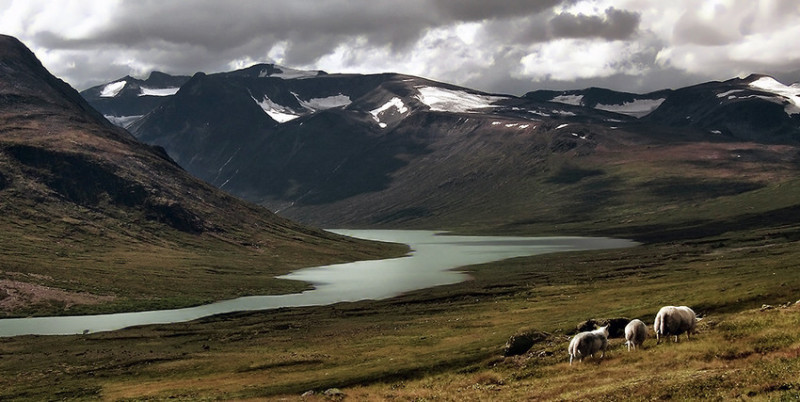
[{"x": 670, "y": 321}]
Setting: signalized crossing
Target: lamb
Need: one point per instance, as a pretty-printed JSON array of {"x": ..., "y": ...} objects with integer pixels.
[
  {"x": 672, "y": 320},
  {"x": 588, "y": 343},
  {"x": 635, "y": 334}
]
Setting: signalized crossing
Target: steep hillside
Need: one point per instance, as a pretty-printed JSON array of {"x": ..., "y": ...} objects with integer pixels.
[{"x": 88, "y": 210}]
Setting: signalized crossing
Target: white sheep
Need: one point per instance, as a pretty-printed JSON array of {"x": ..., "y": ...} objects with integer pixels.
[
  {"x": 588, "y": 343},
  {"x": 635, "y": 334},
  {"x": 672, "y": 320}
]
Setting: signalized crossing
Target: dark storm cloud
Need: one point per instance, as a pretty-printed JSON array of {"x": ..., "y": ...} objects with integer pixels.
[
  {"x": 614, "y": 25},
  {"x": 528, "y": 29},
  {"x": 479, "y": 10},
  {"x": 692, "y": 30},
  {"x": 207, "y": 34},
  {"x": 506, "y": 46}
]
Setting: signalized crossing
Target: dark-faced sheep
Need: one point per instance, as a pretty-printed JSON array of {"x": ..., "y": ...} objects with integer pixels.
[
  {"x": 588, "y": 343},
  {"x": 635, "y": 334},
  {"x": 672, "y": 320}
]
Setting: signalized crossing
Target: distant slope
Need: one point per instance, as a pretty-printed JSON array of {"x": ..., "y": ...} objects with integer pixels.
[
  {"x": 756, "y": 108},
  {"x": 86, "y": 207},
  {"x": 124, "y": 100},
  {"x": 630, "y": 104}
]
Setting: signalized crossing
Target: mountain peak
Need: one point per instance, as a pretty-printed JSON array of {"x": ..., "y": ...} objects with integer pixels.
[{"x": 262, "y": 70}]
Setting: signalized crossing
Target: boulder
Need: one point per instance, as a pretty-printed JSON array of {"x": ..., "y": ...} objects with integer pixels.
[
  {"x": 334, "y": 393},
  {"x": 522, "y": 342}
]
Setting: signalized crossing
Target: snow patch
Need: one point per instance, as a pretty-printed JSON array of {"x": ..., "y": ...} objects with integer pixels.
[
  {"x": 511, "y": 125},
  {"x": 791, "y": 93},
  {"x": 727, "y": 93},
  {"x": 394, "y": 103},
  {"x": 497, "y": 123},
  {"x": 563, "y": 113},
  {"x": 454, "y": 101},
  {"x": 524, "y": 126},
  {"x": 279, "y": 113},
  {"x": 111, "y": 90},
  {"x": 716, "y": 132},
  {"x": 561, "y": 126},
  {"x": 329, "y": 102},
  {"x": 638, "y": 108},
  {"x": 122, "y": 121},
  {"x": 568, "y": 99},
  {"x": 144, "y": 91}
]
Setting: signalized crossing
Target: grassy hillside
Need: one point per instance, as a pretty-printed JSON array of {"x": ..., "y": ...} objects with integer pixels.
[
  {"x": 445, "y": 343},
  {"x": 58, "y": 259}
]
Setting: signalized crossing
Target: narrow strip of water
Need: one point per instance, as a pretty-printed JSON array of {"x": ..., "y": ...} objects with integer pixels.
[{"x": 432, "y": 262}]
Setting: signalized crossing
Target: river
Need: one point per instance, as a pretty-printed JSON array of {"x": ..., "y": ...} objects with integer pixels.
[{"x": 432, "y": 262}]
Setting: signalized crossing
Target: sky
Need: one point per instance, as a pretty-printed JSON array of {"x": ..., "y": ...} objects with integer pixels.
[{"x": 509, "y": 46}]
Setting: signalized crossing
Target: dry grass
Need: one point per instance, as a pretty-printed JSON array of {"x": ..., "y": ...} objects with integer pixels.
[{"x": 444, "y": 343}]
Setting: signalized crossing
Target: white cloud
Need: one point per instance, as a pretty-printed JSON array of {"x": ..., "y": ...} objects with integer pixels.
[{"x": 570, "y": 59}]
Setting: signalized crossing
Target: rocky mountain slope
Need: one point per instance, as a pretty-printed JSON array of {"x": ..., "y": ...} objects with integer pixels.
[
  {"x": 78, "y": 193},
  {"x": 398, "y": 150}
]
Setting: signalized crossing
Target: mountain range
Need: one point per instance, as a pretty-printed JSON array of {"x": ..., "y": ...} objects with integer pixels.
[{"x": 398, "y": 150}]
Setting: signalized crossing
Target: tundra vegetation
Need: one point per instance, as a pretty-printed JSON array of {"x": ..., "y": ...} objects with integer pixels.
[{"x": 445, "y": 343}]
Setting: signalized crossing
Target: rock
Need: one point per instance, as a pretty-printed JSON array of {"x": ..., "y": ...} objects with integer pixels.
[
  {"x": 308, "y": 394},
  {"x": 523, "y": 341},
  {"x": 333, "y": 393},
  {"x": 616, "y": 327},
  {"x": 588, "y": 325},
  {"x": 765, "y": 307}
]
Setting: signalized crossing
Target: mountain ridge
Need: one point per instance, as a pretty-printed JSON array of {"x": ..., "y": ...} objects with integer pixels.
[{"x": 396, "y": 150}]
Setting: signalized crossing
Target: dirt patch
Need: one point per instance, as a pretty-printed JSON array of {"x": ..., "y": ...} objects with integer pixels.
[{"x": 17, "y": 294}]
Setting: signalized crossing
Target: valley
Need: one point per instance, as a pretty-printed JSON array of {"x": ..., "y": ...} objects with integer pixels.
[{"x": 117, "y": 225}]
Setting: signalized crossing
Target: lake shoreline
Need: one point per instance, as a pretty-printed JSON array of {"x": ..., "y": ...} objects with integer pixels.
[{"x": 432, "y": 262}]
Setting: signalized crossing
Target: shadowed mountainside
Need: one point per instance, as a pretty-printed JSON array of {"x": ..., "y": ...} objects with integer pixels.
[
  {"x": 86, "y": 207},
  {"x": 393, "y": 150}
]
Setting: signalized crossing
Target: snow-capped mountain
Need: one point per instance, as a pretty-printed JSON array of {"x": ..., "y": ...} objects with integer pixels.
[
  {"x": 127, "y": 99},
  {"x": 757, "y": 107},
  {"x": 333, "y": 149},
  {"x": 246, "y": 131}
]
